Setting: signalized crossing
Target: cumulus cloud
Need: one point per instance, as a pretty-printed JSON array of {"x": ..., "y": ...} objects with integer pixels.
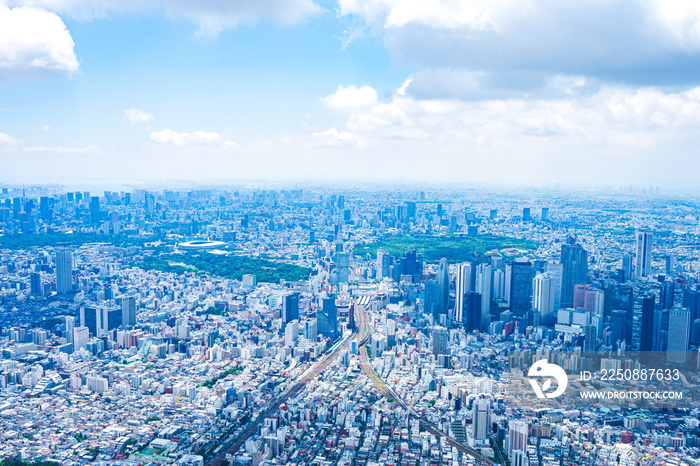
[
  {"x": 136, "y": 116},
  {"x": 195, "y": 138},
  {"x": 524, "y": 41},
  {"x": 335, "y": 138},
  {"x": 7, "y": 140},
  {"x": 63, "y": 150},
  {"x": 211, "y": 16},
  {"x": 611, "y": 116},
  {"x": 34, "y": 43},
  {"x": 352, "y": 97}
]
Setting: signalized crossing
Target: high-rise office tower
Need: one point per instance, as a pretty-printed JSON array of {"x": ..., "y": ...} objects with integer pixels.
[
  {"x": 80, "y": 338},
  {"x": 70, "y": 327},
  {"x": 473, "y": 316},
  {"x": 627, "y": 266},
  {"x": 462, "y": 287},
  {"x": 589, "y": 298},
  {"x": 666, "y": 294},
  {"x": 691, "y": 301},
  {"x": 91, "y": 317},
  {"x": 518, "y": 434},
  {"x": 574, "y": 260},
  {"x": 482, "y": 285},
  {"x": 543, "y": 297},
  {"x": 149, "y": 205},
  {"x": 498, "y": 284},
  {"x": 556, "y": 269},
  {"x": 480, "y": 419},
  {"x": 35, "y": 284},
  {"x": 521, "y": 287},
  {"x": 432, "y": 301},
  {"x": 678, "y": 334},
  {"x": 545, "y": 214},
  {"x": 290, "y": 307},
  {"x": 443, "y": 278},
  {"x": 384, "y": 262},
  {"x": 646, "y": 340},
  {"x": 343, "y": 267},
  {"x": 526, "y": 214},
  {"x": 95, "y": 212},
  {"x": 643, "y": 257},
  {"x": 440, "y": 340},
  {"x": 618, "y": 318},
  {"x": 661, "y": 320},
  {"x": 44, "y": 209},
  {"x": 64, "y": 271},
  {"x": 129, "y": 311},
  {"x": 590, "y": 338},
  {"x": 327, "y": 318}
]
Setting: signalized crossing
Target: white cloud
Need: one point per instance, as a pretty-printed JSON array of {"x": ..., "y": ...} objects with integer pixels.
[
  {"x": 610, "y": 116},
  {"x": 46, "y": 128},
  {"x": 6, "y": 139},
  {"x": 136, "y": 116},
  {"x": 335, "y": 138},
  {"x": 34, "y": 43},
  {"x": 195, "y": 138},
  {"x": 63, "y": 150},
  {"x": 524, "y": 41},
  {"x": 211, "y": 16},
  {"x": 352, "y": 97}
]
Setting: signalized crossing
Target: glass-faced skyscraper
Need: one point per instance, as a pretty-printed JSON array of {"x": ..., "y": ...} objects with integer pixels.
[
  {"x": 643, "y": 257},
  {"x": 64, "y": 271},
  {"x": 574, "y": 260},
  {"x": 327, "y": 318}
]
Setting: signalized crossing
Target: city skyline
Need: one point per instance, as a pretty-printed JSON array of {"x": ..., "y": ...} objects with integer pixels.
[{"x": 350, "y": 90}]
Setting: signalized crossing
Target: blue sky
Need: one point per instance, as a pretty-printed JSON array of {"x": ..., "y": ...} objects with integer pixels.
[{"x": 535, "y": 92}]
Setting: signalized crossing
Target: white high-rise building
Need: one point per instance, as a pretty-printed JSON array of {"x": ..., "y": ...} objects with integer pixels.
[
  {"x": 80, "y": 337},
  {"x": 518, "y": 433},
  {"x": 480, "y": 420},
  {"x": 543, "y": 296},
  {"x": 643, "y": 257},
  {"x": 64, "y": 271},
  {"x": 498, "y": 284},
  {"x": 483, "y": 286},
  {"x": 70, "y": 327},
  {"x": 291, "y": 333},
  {"x": 556, "y": 269},
  {"x": 462, "y": 287}
]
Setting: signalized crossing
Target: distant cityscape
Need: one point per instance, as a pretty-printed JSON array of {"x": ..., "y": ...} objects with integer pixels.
[{"x": 323, "y": 326}]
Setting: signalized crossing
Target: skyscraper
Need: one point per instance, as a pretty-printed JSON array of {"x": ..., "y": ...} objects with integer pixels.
[
  {"x": 643, "y": 256},
  {"x": 473, "y": 316},
  {"x": 440, "y": 340},
  {"x": 432, "y": 299},
  {"x": 556, "y": 269},
  {"x": 462, "y": 287},
  {"x": 482, "y": 285},
  {"x": 70, "y": 327},
  {"x": 64, "y": 271},
  {"x": 646, "y": 340},
  {"x": 290, "y": 307},
  {"x": 95, "y": 213},
  {"x": 91, "y": 317},
  {"x": 35, "y": 283},
  {"x": 543, "y": 297},
  {"x": 443, "y": 278},
  {"x": 128, "y": 311},
  {"x": 520, "y": 287},
  {"x": 678, "y": 334},
  {"x": 480, "y": 420},
  {"x": 627, "y": 266},
  {"x": 327, "y": 318},
  {"x": 574, "y": 260}
]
